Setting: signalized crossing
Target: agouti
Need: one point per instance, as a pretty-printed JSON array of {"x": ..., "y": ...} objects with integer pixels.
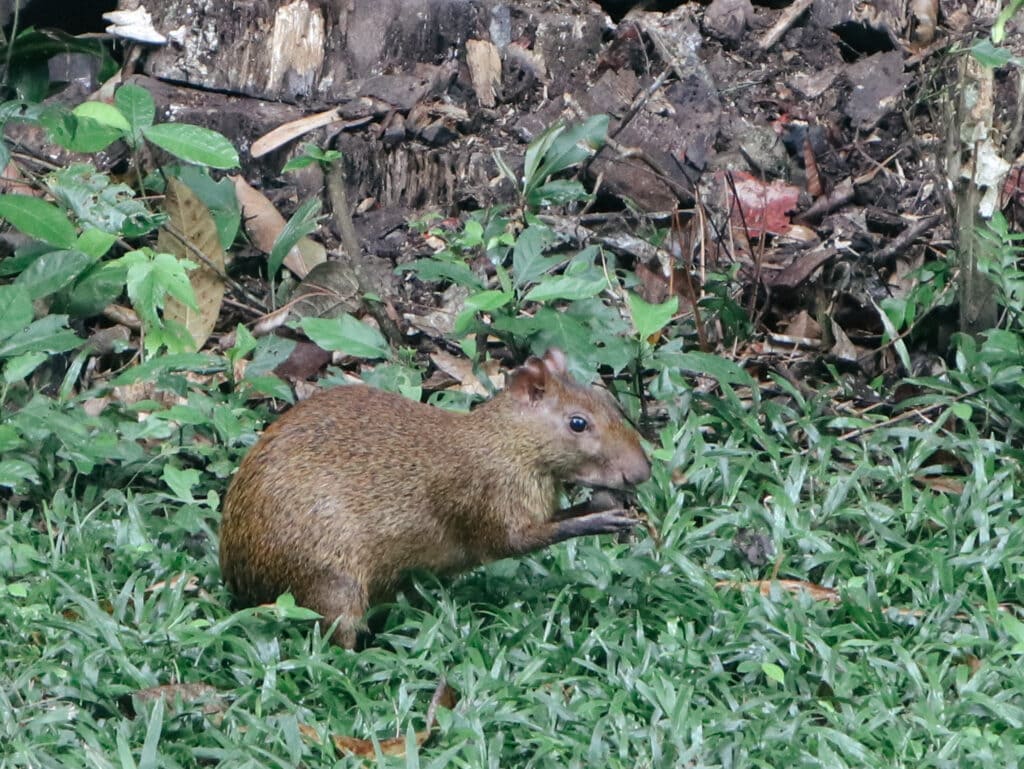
[{"x": 354, "y": 487}]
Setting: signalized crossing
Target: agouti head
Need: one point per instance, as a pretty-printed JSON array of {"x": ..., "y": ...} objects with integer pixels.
[{"x": 588, "y": 440}]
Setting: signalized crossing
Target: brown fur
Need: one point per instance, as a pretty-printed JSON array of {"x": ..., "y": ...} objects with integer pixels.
[{"x": 355, "y": 486}]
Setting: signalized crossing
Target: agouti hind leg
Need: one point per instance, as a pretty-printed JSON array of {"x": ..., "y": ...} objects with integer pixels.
[
  {"x": 539, "y": 535},
  {"x": 337, "y": 597}
]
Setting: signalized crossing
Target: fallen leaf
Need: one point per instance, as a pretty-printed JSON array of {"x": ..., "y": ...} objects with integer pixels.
[
  {"x": 263, "y": 223},
  {"x": 191, "y": 234}
]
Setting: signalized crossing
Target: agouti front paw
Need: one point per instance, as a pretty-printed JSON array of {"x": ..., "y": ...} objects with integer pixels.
[{"x": 605, "y": 522}]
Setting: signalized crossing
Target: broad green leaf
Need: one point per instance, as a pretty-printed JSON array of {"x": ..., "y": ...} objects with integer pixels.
[
  {"x": 49, "y": 334},
  {"x": 432, "y": 268},
  {"x": 715, "y": 366},
  {"x": 19, "y": 367},
  {"x": 154, "y": 367},
  {"x": 347, "y": 335},
  {"x": 51, "y": 272},
  {"x": 15, "y": 310},
  {"x": 95, "y": 242},
  {"x": 528, "y": 260},
  {"x": 297, "y": 163},
  {"x": 557, "y": 192},
  {"x": 96, "y": 288},
  {"x": 566, "y": 287},
  {"x": 94, "y": 200},
  {"x": 649, "y": 318},
  {"x": 153, "y": 277},
  {"x": 181, "y": 481},
  {"x": 271, "y": 386},
  {"x": 38, "y": 219},
  {"x": 17, "y": 473},
  {"x": 137, "y": 106},
  {"x": 486, "y": 301},
  {"x": 193, "y": 144},
  {"x": 270, "y": 351},
  {"x": 219, "y": 197},
  {"x": 105, "y": 114},
  {"x": 990, "y": 55}
]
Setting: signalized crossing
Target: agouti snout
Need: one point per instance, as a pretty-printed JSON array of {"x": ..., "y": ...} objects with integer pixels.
[{"x": 354, "y": 487}]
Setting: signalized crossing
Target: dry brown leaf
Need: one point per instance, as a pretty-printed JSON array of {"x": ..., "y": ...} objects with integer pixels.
[
  {"x": 211, "y": 698},
  {"x": 444, "y": 696},
  {"x": 794, "y": 586},
  {"x": 285, "y": 132},
  {"x": 263, "y": 223},
  {"x": 192, "y": 229},
  {"x": 461, "y": 370},
  {"x": 941, "y": 483},
  {"x": 191, "y": 583}
]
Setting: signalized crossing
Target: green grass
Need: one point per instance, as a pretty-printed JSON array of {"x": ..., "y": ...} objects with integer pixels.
[{"x": 592, "y": 654}]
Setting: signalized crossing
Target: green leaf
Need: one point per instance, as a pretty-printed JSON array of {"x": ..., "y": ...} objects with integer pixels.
[
  {"x": 163, "y": 364},
  {"x": 38, "y": 219},
  {"x": 717, "y": 367},
  {"x": 773, "y": 672},
  {"x": 962, "y": 411},
  {"x": 181, "y": 482},
  {"x": 433, "y": 268},
  {"x": 154, "y": 275},
  {"x": 193, "y": 144},
  {"x": 301, "y": 223},
  {"x": 989, "y": 55},
  {"x": 17, "y": 368},
  {"x": 488, "y": 301},
  {"x": 566, "y": 287},
  {"x": 105, "y": 114},
  {"x": 15, "y": 310},
  {"x": 892, "y": 335},
  {"x": 95, "y": 242},
  {"x": 297, "y": 163},
  {"x": 528, "y": 260},
  {"x": 649, "y": 318},
  {"x": 78, "y": 133},
  {"x": 271, "y": 386},
  {"x": 17, "y": 473},
  {"x": 219, "y": 197},
  {"x": 288, "y": 609},
  {"x": 49, "y": 334},
  {"x": 52, "y": 271},
  {"x": 271, "y": 351},
  {"x": 95, "y": 201},
  {"x": 557, "y": 192},
  {"x": 347, "y": 335},
  {"x": 137, "y": 106},
  {"x": 96, "y": 288}
]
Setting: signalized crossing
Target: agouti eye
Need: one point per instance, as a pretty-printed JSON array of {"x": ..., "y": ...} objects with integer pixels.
[{"x": 577, "y": 424}]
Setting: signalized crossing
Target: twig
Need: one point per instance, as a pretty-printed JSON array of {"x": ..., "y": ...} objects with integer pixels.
[
  {"x": 341, "y": 212},
  {"x": 786, "y": 20},
  {"x": 193, "y": 249}
]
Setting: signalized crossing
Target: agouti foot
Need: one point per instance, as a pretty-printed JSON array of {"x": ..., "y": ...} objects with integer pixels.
[{"x": 604, "y": 522}]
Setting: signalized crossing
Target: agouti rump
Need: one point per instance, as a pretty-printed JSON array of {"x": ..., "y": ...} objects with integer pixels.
[{"x": 354, "y": 487}]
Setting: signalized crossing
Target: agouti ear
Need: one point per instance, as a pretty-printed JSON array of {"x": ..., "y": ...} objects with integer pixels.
[
  {"x": 527, "y": 382},
  {"x": 554, "y": 359}
]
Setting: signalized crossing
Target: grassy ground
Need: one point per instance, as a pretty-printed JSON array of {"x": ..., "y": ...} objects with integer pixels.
[{"x": 592, "y": 654}]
